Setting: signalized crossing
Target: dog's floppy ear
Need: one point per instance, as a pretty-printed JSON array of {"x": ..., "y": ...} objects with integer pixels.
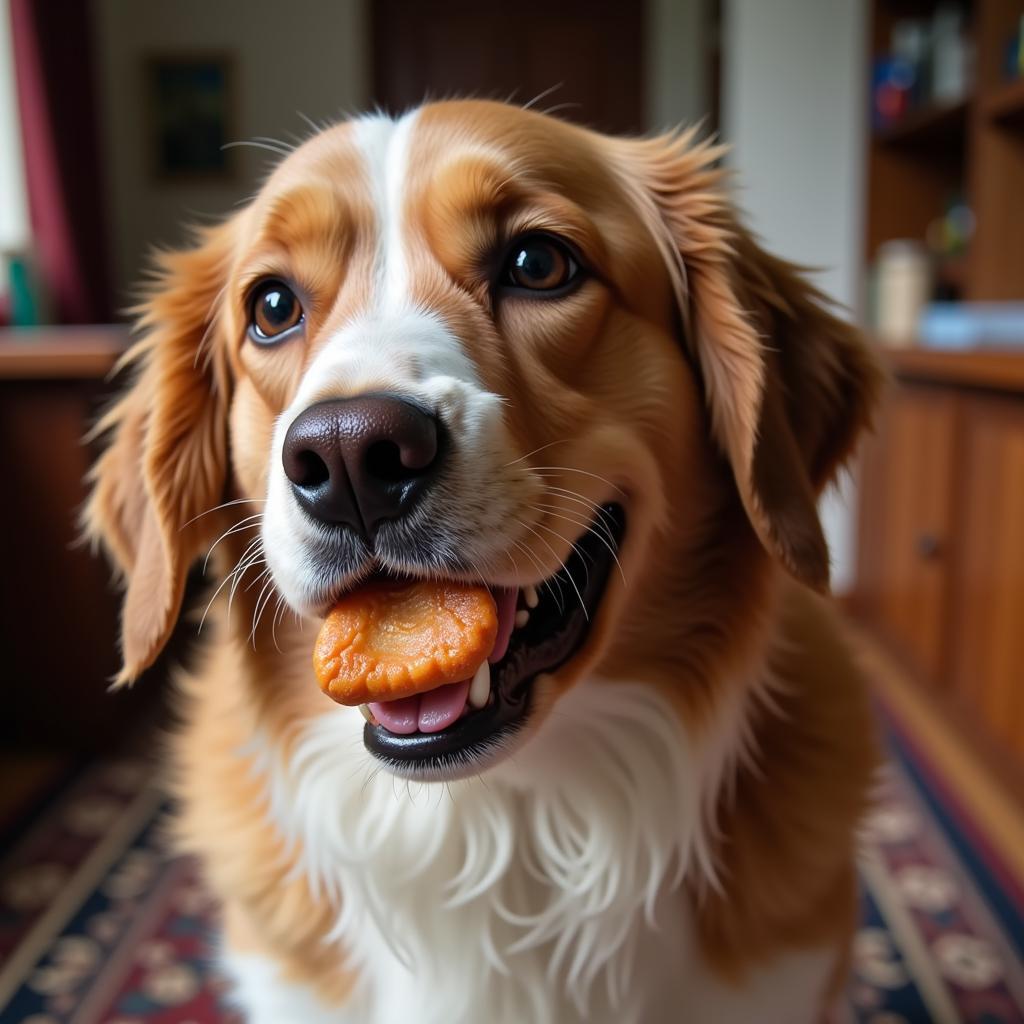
[
  {"x": 789, "y": 385},
  {"x": 165, "y": 464}
]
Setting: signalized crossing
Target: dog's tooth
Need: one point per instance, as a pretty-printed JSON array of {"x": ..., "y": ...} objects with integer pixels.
[
  {"x": 522, "y": 618},
  {"x": 364, "y": 710},
  {"x": 530, "y": 596},
  {"x": 480, "y": 688}
]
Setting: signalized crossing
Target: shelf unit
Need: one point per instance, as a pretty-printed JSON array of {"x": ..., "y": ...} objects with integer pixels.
[
  {"x": 974, "y": 147},
  {"x": 939, "y": 125},
  {"x": 940, "y": 575},
  {"x": 1005, "y": 106}
]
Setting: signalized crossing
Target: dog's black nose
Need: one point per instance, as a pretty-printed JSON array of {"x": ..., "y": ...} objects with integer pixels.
[{"x": 359, "y": 461}]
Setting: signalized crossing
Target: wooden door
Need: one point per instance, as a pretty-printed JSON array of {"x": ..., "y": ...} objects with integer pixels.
[
  {"x": 594, "y": 48},
  {"x": 989, "y": 608},
  {"x": 905, "y": 538}
]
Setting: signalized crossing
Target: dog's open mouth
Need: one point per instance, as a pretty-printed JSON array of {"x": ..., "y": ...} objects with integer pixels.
[{"x": 539, "y": 630}]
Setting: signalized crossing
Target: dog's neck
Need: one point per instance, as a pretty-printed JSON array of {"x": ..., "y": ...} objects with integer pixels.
[{"x": 554, "y": 865}]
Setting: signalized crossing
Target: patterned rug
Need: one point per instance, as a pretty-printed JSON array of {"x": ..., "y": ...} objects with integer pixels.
[{"x": 99, "y": 926}]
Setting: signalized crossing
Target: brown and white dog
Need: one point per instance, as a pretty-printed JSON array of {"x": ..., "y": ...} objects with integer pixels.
[{"x": 476, "y": 342}]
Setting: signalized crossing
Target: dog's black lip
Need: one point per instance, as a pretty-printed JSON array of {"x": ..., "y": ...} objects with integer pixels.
[{"x": 551, "y": 638}]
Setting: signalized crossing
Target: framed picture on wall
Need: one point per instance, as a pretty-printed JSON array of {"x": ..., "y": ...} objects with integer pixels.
[{"x": 190, "y": 113}]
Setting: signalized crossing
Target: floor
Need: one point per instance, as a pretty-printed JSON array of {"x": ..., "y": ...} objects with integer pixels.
[{"x": 98, "y": 925}]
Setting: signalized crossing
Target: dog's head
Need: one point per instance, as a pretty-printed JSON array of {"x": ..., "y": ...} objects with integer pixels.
[{"x": 480, "y": 343}]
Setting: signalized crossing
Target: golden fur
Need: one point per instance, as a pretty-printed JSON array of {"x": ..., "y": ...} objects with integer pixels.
[{"x": 704, "y": 377}]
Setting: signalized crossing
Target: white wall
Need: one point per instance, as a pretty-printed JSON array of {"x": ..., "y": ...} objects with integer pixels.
[
  {"x": 303, "y": 55},
  {"x": 794, "y": 109},
  {"x": 14, "y": 226}
]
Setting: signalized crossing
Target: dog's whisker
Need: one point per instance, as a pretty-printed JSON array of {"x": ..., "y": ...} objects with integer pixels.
[
  {"x": 555, "y": 555},
  {"x": 261, "y": 604},
  {"x": 548, "y": 470},
  {"x": 273, "y": 622},
  {"x": 537, "y": 564},
  {"x": 238, "y": 579},
  {"x": 591, "y": 524},
  {"x": 578, "y": 497},
  {"x": 285, "y": 147},
  {"x": 561, "y": 106},
  {"x": 512, "y": 562},
  {"x": 254, "y": 559},
  {"x": 282, "y": 609},
  {"x": 256, "y": 144},
  {"x": 313, "y": 125},
  {"x": 209, "y": 604},
  {"x": 265, "y": 572},
  {"x": 602, "y": 517},
  {"x": 242, "y": 565},
  {"x": 600, "y": 526},
  {"x": 523, "y": 458},
  {"x": 476, "y": 568},
  {"x": 590, "y": 527},
  {"x": 553, "y": 588},
  {"x": 252, "y": 551},
  {"x": 584, "y": 558},
  {"x": 224, "y": 504},
  {"x": 249, "y": 523},
  {"x": 543, "y": 94}
]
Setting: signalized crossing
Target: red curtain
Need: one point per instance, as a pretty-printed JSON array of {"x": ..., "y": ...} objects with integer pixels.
[{"x": 53, "y": 64}]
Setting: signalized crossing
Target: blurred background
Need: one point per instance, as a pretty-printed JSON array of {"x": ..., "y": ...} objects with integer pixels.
[{"x": 881, "y": 141}]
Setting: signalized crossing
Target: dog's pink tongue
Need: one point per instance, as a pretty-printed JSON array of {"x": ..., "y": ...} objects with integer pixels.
[
  {"x": 401, "y": 717},
  {"x": 505, "y": 601},
  {"x": 440, "y": 707},
  {"x": 428, "y": 712}
]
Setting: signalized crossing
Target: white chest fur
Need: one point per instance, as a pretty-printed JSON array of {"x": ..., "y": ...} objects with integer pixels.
[{"x": 547, "y": 891}]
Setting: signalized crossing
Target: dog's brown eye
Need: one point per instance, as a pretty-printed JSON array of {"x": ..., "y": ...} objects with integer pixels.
[
  {"x": 275, "y": 310},
  {"x": 539, "y": 264}
]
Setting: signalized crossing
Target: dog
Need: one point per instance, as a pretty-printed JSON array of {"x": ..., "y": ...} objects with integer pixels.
[{"x": 478, "y": 343}]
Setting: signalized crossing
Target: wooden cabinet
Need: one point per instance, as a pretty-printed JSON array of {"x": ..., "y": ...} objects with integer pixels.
[
  {"x": 904, "y": 548},
  {"x": 987, "y": 667},
  {"x": 941, "y": 538},
  {"x": 58, "y": 609}
]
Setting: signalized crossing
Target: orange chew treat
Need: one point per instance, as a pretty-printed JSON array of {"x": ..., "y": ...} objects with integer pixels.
[{"x": 388, "y": 640}]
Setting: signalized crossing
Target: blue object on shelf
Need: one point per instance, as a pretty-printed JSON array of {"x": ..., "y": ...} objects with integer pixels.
[
  {"x": 967, "y": 325},
  {"x": 1013, "y": 54}
]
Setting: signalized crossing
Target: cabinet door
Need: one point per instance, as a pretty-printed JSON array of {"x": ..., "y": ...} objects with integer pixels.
[
  {"x": 905, "y": 526},
  {"x": 989, "y": 604}
]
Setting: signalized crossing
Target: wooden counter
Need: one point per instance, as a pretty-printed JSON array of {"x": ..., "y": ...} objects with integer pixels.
[
  {"x": 992, "y": 369},
  {"x": 67, "y": 353},
  {"x": 940, "y": 573}
]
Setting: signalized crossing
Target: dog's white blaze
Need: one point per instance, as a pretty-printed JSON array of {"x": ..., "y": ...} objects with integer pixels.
[
  {"x": 384, "y": 145},
  {"x": 395, "y": 286},
  {"x": 410, "y": 352},
  {"x": 548, "y": 891}
]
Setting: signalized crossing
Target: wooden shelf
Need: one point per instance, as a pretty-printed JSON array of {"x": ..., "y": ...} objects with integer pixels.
[
  {"x": 70, "y": 353},
  {"x": 991, "y": 369},
  {"x": 973, "y": 150},
  {"x": 1006, "y": 105},
  {"x": 930, "y": 127}
]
